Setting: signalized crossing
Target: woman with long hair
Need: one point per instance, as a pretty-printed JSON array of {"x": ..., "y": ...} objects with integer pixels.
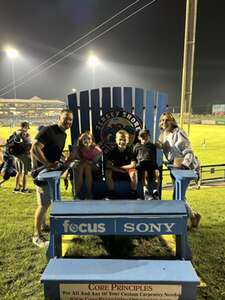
[{"x": 177, "y": 150}]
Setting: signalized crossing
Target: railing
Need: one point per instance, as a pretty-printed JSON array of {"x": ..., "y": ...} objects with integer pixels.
[
  {"x": 208, "y": 174},
  {"x": 217, "y": 173}
]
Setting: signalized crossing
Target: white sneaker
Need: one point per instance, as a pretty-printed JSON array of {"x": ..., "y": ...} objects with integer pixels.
[
  {"x": 40, "y": 241},
  {"x": 156, "y": 195},
  {"x": 148, "y": 197}
]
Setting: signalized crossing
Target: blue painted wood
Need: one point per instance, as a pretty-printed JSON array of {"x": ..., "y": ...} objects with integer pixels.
[
  {"x": 120, "y": 225},
  {"x": 127, "y": 91},
  {"x": 84, "y": 111},
  {"x": 121, "y": 207},
  {"x": 117, "y": 97},
  {"x": 139, "y": 102},
  {"x": 161, "y": 106},
  {"x": 72, "y": 104},
  {"x": 118, "y": 270},
  {"x": 106, "y": 96},
  {"x": 111, "y": 218},
  {"x": 149, "y": 113},
  {"x": 53, "y": 180},
  {"x": 152, "y": 119},
  {"x": 95, "y": 107},
  {"x": 182, "y": 180}
]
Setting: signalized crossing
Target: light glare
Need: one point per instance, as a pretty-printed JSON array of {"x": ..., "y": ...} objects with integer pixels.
[
  {"x": 11, "y": 52},
  {"x": 93, "y": 60}
]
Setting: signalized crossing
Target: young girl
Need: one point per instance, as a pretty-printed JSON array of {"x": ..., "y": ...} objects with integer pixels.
[{"x": 88, "y": 154}]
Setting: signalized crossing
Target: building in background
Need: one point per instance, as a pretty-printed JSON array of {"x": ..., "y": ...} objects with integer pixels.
[{"x": 35, "y": 110}]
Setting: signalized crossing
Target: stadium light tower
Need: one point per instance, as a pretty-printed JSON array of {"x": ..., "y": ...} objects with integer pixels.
[
  {"x": 188, "y": 61},
  {"x": 12, "y": 53},
  {"x": 93, "y": 62}
]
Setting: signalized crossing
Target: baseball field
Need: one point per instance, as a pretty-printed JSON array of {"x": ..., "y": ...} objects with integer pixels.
[
  {"x": 21, "y": 263},
  {"x": 207, "y": 141}
]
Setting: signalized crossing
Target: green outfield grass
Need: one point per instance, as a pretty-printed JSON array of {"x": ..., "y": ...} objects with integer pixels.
[
  {"x": 21, "y": 263},
  {"x": 207, "y": 141}
]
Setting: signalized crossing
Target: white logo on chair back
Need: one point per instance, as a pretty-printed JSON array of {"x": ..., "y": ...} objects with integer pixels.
[
  {"x": 111, "y": 122},
  {"x": 83, "y": 227}
]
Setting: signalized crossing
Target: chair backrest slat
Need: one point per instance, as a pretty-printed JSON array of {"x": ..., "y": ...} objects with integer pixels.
[
  {"x": 161, "y": 106},
  {"x": 127, "y": 91},
  {"x": 84, "y": 111},
  {"x": 139, "y": 103},
  {"x": 72, "y": 104},
  {"x": 117, "y": 97},
  {"x": 106, "y": 99},
  {"x": 95, "y": 107},
  {"x": 150, "y": 113}
]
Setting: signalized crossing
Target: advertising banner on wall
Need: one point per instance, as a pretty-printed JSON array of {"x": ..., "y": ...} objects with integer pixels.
[{"x": 218, "y": 109}]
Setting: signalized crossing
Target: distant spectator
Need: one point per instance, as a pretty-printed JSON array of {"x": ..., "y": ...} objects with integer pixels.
[
  {"x": 7, "y": 167},
  {"x": 40, "y": 127},
  {"x": 19, "y": 145}
]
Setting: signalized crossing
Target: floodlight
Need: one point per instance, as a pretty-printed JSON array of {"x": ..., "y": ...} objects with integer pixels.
[
  {"x": 11, "y": 52},
  {"x": 93, "y": 60}
]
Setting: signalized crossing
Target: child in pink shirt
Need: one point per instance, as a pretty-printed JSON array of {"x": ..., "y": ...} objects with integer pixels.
[{"x": 89, "y": 155}]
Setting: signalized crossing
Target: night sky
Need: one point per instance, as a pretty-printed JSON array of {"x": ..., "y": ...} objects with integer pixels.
[{"x": 144, "y": 51}]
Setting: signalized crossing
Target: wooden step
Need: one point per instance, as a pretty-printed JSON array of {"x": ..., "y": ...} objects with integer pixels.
[{"x": 79, "y": 279}]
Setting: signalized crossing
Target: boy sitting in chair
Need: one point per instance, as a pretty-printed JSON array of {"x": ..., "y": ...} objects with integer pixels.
[
  {"x": 121, "y": 165},
  {"x": 145, "y": 154}
]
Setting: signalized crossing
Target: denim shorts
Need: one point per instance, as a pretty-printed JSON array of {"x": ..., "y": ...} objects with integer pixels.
[{"x": 43, "y": 195}]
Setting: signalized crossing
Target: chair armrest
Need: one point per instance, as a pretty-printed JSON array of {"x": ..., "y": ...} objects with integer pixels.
[
  {"x": 53, "y": 180},
  {"x": 184, "y": 174},
  {"x": 54, "y": 175}
]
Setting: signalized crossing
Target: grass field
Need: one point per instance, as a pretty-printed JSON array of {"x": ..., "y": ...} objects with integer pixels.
[
  {"x": 206, "y": 141},
  {"x": 21, "y": 263}
]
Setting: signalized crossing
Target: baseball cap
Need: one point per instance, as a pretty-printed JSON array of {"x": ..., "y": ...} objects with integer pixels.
[{"x": 25, "y": 124}]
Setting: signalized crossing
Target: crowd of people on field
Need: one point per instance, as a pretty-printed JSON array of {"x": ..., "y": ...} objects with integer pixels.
[{"x": 124, "y": 162}]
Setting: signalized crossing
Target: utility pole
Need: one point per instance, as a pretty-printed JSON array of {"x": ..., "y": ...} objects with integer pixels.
[{"x": 188, "y": 61}]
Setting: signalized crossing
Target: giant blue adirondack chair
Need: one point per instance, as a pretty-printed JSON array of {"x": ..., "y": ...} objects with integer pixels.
[
  {"x": 90, "y": 105},
  {"x": 70, "y": 218}
]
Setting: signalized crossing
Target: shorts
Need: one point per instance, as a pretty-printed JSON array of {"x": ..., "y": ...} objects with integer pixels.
[
  {"x": 123, "y": 176},
  {"x": 43, "y": 195},
  {"x": 23, "y": 163},
  {"x": 146, "y": 166}
]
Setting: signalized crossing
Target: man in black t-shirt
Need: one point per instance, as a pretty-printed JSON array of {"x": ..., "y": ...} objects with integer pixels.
[
  {"x": 46, "y": 151},
  {"x": 145, "y": 155},
  {"x": 121, "y": 164}
]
